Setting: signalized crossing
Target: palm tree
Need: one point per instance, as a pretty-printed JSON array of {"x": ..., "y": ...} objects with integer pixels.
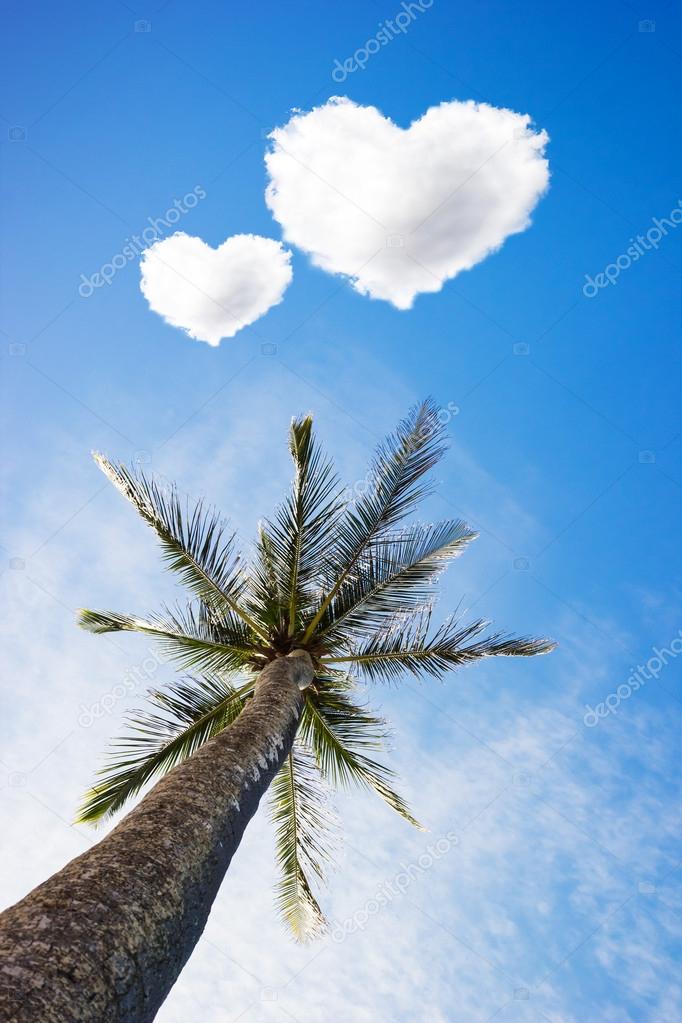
[{"x": 337, "y": 591}]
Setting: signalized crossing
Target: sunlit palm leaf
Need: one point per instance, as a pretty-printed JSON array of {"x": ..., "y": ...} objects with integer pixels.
[
  {"x": 264, "y": 598},
  {"x": 187, "y": 714},
  {"x": 299, "y": 533},
  {"x": 194, "y": 539},
  {"x": 388, "y": 654},
  {"x": 396, "y": 487},
  {"x": 190, "y": 637},
  {"x": 305, "y": 826},
  {"x": 395, "y": 575},
  {"x": 340, "y": 733}
]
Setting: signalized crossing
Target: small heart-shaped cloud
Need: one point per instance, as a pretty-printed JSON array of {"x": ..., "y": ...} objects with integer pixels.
[
  {"x": 213, "y": 293},
  {"x": 400, "y": 211}
]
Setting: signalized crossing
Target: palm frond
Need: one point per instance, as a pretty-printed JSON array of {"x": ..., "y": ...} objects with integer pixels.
[
  {"x": 396, "y": 487},
  {"x": 341, "y": 733},
  {"x": 349, "y": 583},
  {"x": 395, "y": 575},
  {"x": 406, "y": 646},
  {"x": 264, "y": 598},
  {"x": 305, "y": 829},
  {"x": 186, "y": 715},
  {"x": 194, "y": 539},
  {"x": 191, "y": 637},
  {"x": 299, "y": 533}
]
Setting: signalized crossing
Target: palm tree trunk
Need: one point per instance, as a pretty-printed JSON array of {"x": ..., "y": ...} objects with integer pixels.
[{"x": 104, "y": 940}]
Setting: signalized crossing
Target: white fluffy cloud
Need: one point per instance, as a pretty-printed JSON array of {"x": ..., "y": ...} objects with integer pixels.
[
  {"x": 213, "y": 293},
  {"x": 400, "y": 211}
]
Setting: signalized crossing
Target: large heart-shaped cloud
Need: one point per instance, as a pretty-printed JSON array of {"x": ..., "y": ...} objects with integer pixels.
[
  {"x": 213, "y": 293},
  {"x": 399, "y": 211}
]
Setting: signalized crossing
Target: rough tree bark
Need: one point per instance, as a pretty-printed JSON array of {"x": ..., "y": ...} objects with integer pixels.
[{"x": 104, "y": 940}]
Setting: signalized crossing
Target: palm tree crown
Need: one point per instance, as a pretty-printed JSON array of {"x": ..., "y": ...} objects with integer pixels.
[{"x": 342, "y": 579}]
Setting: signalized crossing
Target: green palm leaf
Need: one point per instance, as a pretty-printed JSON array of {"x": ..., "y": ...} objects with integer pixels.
[
  {"x": 264, "y": 597},
  {"x": 390, "y": 652},
  {"x": 188, "y": 714},
  {"x": 305, "y": 828},
  {"x": 299, "y": 533},
  {"x": 340, "y": 733},
  {"x": 190, "y": 637},
  {"x": 395, "y": 575},
  {"x": 396, "y": 488},
  {"x": 194, "y": 539}
]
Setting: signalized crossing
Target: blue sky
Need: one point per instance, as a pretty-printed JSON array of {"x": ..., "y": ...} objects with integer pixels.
[{"x": 560, "y": 899}]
